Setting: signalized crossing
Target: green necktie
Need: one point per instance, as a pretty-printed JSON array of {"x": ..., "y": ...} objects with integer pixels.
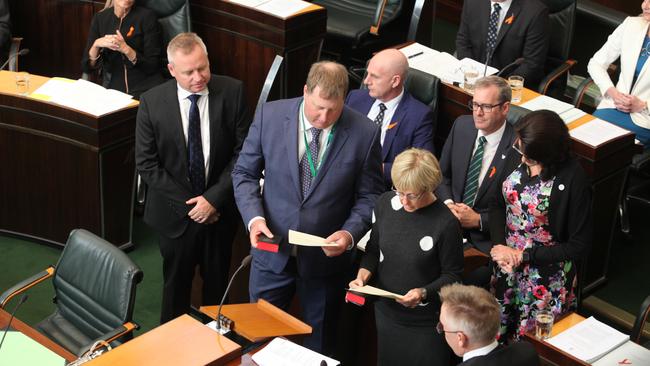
[{"x": 471, "y": 183}]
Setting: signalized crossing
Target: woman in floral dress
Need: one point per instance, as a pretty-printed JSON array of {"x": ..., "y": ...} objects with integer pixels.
[{"x": 541, "y": 225}]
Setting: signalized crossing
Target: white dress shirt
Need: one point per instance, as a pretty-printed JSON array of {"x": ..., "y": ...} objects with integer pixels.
[
  {"x": 489, "y": 149},
  {"x": 204, "y": 113},
  {"x": 505, "y": 5},
  {"x": 480, "y": 351},
  {"x": 391, "y": 106}
]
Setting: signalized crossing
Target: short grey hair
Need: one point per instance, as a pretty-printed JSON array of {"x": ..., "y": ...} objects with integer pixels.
[
  {"x": 473, "y": 311},
  {"x": 505, "y": 93},
  {"x": 184, "y": 42}
]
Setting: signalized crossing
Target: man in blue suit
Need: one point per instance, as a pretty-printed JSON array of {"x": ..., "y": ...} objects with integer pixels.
[
  {"x": 405, "y": 121},
  {"x": 321, "y": 164}
]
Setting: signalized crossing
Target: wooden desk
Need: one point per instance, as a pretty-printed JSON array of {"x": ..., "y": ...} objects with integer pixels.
[
  {"x": 242, "y": 42},
  {"x": 35, "y": 335},
  {"x": 64, "y": 169},
  {"x": 606, "y": 165},
  {"x": 182, "y": 341}
]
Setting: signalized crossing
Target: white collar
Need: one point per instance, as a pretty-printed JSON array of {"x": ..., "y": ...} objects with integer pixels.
[
  {"x": 183, "y": 94},
  {"x": 392, "y": 104},
  {"x": 480, "y": 351},
  {"x": 495, "y": 137},
  {"x": 503, "y": 4}
]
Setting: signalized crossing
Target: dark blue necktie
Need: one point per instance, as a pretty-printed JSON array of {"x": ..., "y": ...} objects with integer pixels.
[
  {"x": 492, "y": 28},
  {"x": 196, "y": 163}
]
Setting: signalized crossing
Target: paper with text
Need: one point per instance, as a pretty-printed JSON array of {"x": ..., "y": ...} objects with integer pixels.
[
  {"x": 597, "y": 132},
  {"x": 370, "y": 290},
  {"x": 546, "y": 102}
]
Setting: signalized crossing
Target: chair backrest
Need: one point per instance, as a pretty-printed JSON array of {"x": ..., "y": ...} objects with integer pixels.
[
  {"x": 561, "y": 22},
  {"x": 173, "y": 16},
  {"x": 415, "y": 20},
  {"x": 423, "y": 87},
  {"x": 515, "y": 113},
  {"x": 14, "y": 47},
  {"x": 268, "y": 82},
  {"x": 640, "y": 322},
  {"x": 94, "y": 284}
]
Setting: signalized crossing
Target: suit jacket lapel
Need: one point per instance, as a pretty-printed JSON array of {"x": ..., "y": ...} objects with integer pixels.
[
  {"x": 637, "y": 41},
  {"x": 290, "y": 128},
  {"x": 508, "y": 21},
  {"x": 216, "y": 108},
  {"x": 391, "y": 132},
  {"x": 176, "y": 128},
  {"x": 464, "y": 156},
  {"x": 497, "y": 162}
]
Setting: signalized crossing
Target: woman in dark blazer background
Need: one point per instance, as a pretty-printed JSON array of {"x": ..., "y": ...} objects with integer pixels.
[{"x": 540, "y": 224}]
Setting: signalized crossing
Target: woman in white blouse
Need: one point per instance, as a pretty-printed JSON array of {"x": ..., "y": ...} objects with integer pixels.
[{"x": 626, "y": 104}]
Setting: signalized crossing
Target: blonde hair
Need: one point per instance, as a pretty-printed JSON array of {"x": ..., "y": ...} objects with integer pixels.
[
  {"x": 331, "y": 77},
  {"x": 473, "y": 311},
  {"x": 108, "y": 4},
  {"x": 184, "y": 42},
  {"x": 416, "y": 170}
]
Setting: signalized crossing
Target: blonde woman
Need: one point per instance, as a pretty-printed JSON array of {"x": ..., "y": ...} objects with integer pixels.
[{"x": 415, "y": 248}]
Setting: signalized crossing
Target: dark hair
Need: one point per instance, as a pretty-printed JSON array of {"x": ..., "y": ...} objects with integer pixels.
[{"x": 544, "y": 138}]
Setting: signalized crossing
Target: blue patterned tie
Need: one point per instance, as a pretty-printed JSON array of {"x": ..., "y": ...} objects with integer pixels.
[
  {"x": 379, "y": 120},
  {"x": 196, "y": 162},
  {"x": 305, "y": 172},
  {"x": 474, "y": 170},
  {"x": 492, "y": 28}
]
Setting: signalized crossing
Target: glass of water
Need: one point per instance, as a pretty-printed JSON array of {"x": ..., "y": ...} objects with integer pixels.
[
  {"x": 22, "y": 82},
  {"x": 517, "y": 85},
  {"x": 543, "y": 324},
  {"x": 470, "y": 75}
]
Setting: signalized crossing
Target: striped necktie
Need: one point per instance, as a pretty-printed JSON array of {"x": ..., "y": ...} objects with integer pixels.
[
  {"x": 492, "y": 28},
  {"x": 305, "y": 170},
  {"x": 474, "y": 170}
]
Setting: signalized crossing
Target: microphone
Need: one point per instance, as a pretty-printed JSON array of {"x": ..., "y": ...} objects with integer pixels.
[
  {"x": 20, "y": 302},
  {"x": 244, "y": 263},
  {"x": 511, "y": 66},
  {"x": 323, "y": 363},
  {"x": 22, "y": 52},
  {"x": 488, "y": 58}
]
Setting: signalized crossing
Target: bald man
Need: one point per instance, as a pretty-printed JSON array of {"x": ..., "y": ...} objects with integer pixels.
[{"x": 404, "y": 121}]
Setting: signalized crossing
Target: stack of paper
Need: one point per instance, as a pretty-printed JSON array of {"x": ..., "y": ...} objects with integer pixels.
[
  {"x": 279, "y": 8},
  {"x": 546, "y": 102},
  {"x": 589, "y": 340},
  {"x": 82, "y": 95},
  {"x": 281, "y": 352},
  {"x": 441, "y": 64},
  {"x": 597, "y": 132}
]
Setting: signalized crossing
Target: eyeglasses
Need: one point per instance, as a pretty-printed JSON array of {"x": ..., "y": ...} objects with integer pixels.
[
  {"x": 529, "y": 161},
  {"x": 485, "y": 108},
  {"x": 441, "y": 329},
  {"x": 409, "y": 196},
  {"x": 516, "y": 148}
]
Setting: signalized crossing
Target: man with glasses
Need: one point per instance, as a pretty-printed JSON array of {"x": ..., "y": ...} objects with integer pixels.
[
  {"x": 472, "y": 156},
  {"x": 469, "y": 320}
]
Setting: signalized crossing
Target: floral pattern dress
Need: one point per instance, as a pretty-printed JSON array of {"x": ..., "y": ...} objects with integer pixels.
[{"x": 530, "y": 287}]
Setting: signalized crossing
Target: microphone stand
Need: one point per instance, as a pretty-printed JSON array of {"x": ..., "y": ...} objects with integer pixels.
[
  {"x": 245, "y": 262},
  {"x": 13, "y": 313}
]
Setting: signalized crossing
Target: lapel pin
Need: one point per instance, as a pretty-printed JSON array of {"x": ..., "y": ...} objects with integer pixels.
[
  {"x": 561, "y": 187},
  {"x": 503, "y": 156},
  {"x": 493, "y": 171},
  {"x": 131, "y": 30},
  {"x": 390, "y": 126},
  {"x": 509, "y": 19}
]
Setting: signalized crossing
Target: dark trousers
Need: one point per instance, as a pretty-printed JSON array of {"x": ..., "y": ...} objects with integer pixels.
[
  {"x": 320, "y": 300},
  {"x": 209, "y": 247}
]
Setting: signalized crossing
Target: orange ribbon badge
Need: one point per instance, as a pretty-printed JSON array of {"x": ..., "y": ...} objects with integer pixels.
[
  {"x": 390, "y": 126},
  {"x": 493, "y": 171},
  {"x": 131, "y": 30},
  {"x": 509, "y": 19}
]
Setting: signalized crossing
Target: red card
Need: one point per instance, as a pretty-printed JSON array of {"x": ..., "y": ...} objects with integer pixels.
[
  {"x": 355, "y": 298},
  {"x": 269, "y": 247}
]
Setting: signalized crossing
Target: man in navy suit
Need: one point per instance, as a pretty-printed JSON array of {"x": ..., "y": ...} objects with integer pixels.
[
  {"x": 321, "y": 164},
  {"x": 470, "y": 320},
  {"x": 472, "y": 156},
  {"x": 404, "y": 121}
]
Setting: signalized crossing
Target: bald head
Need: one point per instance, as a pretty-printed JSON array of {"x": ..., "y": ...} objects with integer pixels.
[{"x": 387, "y": 71}]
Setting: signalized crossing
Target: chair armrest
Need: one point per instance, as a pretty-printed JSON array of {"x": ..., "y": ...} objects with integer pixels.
[
  {"x": 553, "y": 75},
  {"x": 641, "y": 318},
  {"x": 13, "y": 52},
  {"x": 357, "y": 73},
  {"x": 581, "y": 90},
  {"x": 379, "y": 15},
  {"x": 111, "y": 336},
  {"x": 25, "y": 285}
]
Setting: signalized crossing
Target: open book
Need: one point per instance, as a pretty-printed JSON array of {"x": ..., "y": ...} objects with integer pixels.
[{"x": 589, "y": 340}]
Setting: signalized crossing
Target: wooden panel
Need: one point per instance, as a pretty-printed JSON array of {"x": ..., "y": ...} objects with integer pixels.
[{"x": 55, "y": 31}]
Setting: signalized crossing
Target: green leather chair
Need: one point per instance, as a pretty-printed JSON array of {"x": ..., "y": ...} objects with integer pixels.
[
  {"x": 173, "y": 16},
  {"x": 94, "y": 286}
]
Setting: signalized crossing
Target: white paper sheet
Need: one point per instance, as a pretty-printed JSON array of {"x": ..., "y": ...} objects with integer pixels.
[
  {"x": 597, "y": 132},
  {"x": 308, "y": 240},
  {"x": 571, "y": 115},
  {"x": 589, "y": 340},
  {"x": 281, "y": 352},
  {"x": 283, "y": 8},
  {"x": 634, "y": 353},
  {"x": 371, "y": 290},
  {"x": 82, "y": 95},
  {"x": 546, "y": 102}
]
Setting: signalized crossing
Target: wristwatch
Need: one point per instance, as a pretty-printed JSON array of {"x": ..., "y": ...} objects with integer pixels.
[{"x": 423, "y": 291}]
